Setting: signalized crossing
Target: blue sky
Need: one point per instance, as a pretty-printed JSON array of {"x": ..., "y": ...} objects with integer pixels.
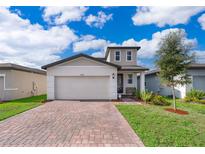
[{"x": 34, "y": 36}]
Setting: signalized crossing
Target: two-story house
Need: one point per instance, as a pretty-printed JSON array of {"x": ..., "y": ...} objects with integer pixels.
[{"x": 82, "y": 77}]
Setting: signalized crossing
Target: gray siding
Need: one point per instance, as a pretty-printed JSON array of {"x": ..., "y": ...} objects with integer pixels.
[
  {"x": 198, "y": 78},
  {"x": 152, "y": 83},
  {"x": 199, "y": 82}
]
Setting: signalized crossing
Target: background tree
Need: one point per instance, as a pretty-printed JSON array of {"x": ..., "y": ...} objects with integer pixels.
[{"x": 173, "y": 58}]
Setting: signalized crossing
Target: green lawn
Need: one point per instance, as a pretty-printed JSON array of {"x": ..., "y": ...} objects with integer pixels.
[
  {"x": 14, "y": 107},
  {"x": 157, "y": 127}
]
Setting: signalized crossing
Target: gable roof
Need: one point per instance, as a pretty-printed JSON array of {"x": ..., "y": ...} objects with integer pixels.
[
  {"x": 7, "y": 66},
  {"x": 77, "y": 56},
  {"x": 120, "y": 47},
  {"x": 191, "y": 66},
  {"x": 152, "y": 72},
  {"x": 197, "y": 65}
]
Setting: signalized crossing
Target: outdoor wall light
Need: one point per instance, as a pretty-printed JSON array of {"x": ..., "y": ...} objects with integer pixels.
[{"x": 113, "y": 75}]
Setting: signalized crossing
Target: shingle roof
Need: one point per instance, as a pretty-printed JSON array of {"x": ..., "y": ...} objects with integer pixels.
[
  {"x": 6, "y": 66},
  {"x": 133, "y": 68},
  {"x": 152, "y": 72},
  {"x": 77, "y": 56},
  {"x": 194, "y": 65},
  {"x": 197, "y": 65}
]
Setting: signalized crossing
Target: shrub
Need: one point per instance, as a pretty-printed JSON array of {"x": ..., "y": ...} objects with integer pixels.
[
  {"x": 194, "y": 95},
  {"x": 137, "y": 94},
  {"x": 159, "y": 100},
  {"x": 146, "y": 96},
  {"x": 201, "y": 101}
]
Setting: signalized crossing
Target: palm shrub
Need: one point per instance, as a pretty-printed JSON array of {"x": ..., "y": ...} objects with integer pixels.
[
  {"x": 146, "y": 96},
  {"x": 194, "y": 95},
  {"x": 160, "y": 100},
  {"x": 202, "y": 101}
]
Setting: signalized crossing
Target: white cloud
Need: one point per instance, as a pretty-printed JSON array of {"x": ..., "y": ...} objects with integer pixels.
[
  {"x": 89, "y": 42},
  {"x": 130, "y": 42},
  {"x": 99, "y": 20},
  {"x": 201, "y": 20},
  {"x": 149, "y": 47},
  {"x": 98, "y": 54},
  {"x": 30, "y": 44},
  {"x": 62, "y": 15},
  {"x": 162, "y": 16}
]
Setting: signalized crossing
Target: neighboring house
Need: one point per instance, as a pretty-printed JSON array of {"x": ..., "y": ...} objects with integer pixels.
[
  {"x": 18, "y": 81},
  {"x": 197, "y": 75},
  {"x": 82, "y": 77}
]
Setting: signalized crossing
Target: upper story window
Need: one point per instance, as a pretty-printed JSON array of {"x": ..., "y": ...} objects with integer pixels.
[
  {"x": 129, "y": 79},
  {"x": 117, "y": 55},
  {"x": 129, "y": 55}
]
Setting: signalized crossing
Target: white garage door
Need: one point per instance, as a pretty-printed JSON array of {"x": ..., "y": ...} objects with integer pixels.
[
  {"x": 82, "y": 88},
  {"x": 199, "y": 82}
]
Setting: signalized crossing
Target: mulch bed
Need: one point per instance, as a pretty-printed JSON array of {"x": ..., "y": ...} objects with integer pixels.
[{"x": 178, "y": 111}]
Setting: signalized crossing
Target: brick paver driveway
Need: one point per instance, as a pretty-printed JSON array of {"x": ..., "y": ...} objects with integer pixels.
[{"x": 63, "y": 123}]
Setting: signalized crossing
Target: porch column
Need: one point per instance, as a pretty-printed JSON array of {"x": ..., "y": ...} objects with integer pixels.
[
  {"x": 142, "y": 81},
  {"x": 135, "y": 81}
]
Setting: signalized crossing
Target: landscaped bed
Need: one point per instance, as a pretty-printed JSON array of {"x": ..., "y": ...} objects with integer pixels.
[
  {"x": 158, "y": 127},
  {"x": 11, "y": 108}
]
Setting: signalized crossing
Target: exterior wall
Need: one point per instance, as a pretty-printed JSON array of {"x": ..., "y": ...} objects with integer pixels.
[
  {"x": 1, "y": 87},
  {"x": 123, "y": 61},
  {"x": 180, "y": 91},
  {"x": 19, "y": 84},
  {"x": 108, "y": 57},
  {"x": 76, "y": 69}
]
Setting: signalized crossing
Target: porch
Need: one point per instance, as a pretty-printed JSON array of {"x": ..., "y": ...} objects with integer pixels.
[{"x": 130, "y": 81}]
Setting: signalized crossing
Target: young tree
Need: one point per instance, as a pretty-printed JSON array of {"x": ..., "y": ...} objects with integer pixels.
[{"x": 173, "y": 58}]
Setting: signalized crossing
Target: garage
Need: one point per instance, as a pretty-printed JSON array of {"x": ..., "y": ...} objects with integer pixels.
[
  {"x": 199, "y": 82},
  {"x": 81, "y": 77},
  {"x": 82, "y": 87}
]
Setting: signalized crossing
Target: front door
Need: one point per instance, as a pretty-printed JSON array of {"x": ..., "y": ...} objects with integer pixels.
[{"x": 120, "y": 83}]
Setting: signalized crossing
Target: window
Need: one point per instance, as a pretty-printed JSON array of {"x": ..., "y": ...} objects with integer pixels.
[
  {"x": 129, "y": 78},
  {"x": 117, "y": 55},
  {"x": 129, "y": 55}
]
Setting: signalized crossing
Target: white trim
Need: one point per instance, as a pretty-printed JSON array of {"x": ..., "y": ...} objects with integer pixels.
[
  {"x": 86, "y": 66},
  {"x": 97, "y": 62},
  {"x": 75, "y": 59},
  {"x": 115, "y": 56},
  {"x": 4, "y": 78},
  {"x": 131, "y": 56}
]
